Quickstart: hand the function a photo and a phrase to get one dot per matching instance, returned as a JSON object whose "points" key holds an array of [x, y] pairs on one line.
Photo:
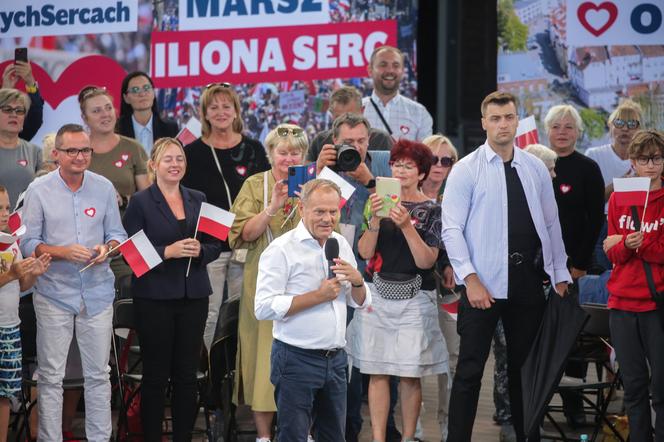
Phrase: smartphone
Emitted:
{"points": [[389, 190], [298, 175], [21, 54]]}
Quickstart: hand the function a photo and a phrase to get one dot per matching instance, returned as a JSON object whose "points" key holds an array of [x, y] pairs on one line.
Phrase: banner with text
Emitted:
{"points": [[313, 52], [624, 22], [67, 17]]}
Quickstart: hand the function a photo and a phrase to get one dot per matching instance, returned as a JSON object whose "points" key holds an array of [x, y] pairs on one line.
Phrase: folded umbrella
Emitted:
{"points": [[541, 372]]}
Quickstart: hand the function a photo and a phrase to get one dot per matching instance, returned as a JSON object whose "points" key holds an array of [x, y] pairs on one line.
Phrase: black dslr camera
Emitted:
{"points": [[348, 159]]}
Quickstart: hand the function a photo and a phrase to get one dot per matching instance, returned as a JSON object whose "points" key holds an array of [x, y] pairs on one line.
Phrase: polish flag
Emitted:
{"points": [[347, 189], [631, 191], [190, 132], [452, 308], [526, 132], [14, 224], [215, 221], [140, 254]]}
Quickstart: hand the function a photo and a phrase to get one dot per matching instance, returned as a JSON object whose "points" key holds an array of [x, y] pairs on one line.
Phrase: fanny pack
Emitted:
{"points": [[397, 286]]}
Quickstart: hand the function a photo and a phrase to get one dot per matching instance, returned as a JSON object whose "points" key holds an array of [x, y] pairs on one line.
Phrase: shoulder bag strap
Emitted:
{"points": [[382, 118], [223, 180], [656, 296]]}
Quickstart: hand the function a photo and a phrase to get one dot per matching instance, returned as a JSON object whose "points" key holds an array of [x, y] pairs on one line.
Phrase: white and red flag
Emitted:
{"points": [[526, 132], [215, 221], [139, 253], [631, 191], [347, 188], [190, 132], [17, 229]]}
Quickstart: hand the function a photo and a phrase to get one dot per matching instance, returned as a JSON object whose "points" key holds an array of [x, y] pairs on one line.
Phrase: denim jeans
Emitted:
{"points": [[310, 392]]}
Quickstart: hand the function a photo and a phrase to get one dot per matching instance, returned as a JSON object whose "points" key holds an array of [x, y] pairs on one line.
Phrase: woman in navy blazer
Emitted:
{"points": [[170, 307]]}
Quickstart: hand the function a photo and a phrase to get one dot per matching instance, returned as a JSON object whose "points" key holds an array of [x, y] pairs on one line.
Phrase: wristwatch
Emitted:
{"points": [[370, 184]]}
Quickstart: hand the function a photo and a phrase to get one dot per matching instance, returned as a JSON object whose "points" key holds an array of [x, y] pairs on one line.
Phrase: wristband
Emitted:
{"points": [[357, 286], [267, 212], [31, 89]]}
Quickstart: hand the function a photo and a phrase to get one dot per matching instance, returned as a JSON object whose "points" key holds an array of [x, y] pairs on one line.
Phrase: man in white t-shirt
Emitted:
{"points": [[386, 109], [613, 159]]}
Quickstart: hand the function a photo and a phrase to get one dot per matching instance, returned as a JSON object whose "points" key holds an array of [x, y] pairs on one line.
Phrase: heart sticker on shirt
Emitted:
{"points": [[22, 163], [125, 156], [564, 188], [404, 129], [90, 212], [242, 170], [119, 164]]}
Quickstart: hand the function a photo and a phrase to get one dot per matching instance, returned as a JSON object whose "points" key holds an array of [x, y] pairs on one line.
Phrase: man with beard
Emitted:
{"points": [[386, 109], [613, 160]]}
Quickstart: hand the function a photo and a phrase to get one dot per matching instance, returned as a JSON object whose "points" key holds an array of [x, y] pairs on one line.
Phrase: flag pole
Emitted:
{"points": [[111, 250], [195, 233], [643, 217]]}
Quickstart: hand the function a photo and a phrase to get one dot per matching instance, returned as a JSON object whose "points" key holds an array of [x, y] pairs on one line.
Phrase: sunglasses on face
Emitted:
{"points": [[18, 110], [224, 85], [657, 160], [444, 161], [284, 131], [72, 152], [631, 124], [137, 90]]}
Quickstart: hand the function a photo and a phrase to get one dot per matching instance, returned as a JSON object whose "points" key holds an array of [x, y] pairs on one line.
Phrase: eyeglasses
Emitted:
{"points": [[444, 161], [92, 91], [73, 152], [631, 124], [404, 166], [224, 85], [284, 131], [137, 90], [18, 110], [657, 160]]}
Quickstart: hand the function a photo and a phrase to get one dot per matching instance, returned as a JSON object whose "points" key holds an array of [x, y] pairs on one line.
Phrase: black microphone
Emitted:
{"points": [[331, 253]]}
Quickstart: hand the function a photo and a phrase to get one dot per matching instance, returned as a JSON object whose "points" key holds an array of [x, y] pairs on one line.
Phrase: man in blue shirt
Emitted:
{"points": [[501, 232], [73, 215]]}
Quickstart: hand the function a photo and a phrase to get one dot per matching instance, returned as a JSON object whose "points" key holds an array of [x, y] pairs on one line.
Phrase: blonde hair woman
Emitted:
{"points": [[263, 211], [445, 155]]}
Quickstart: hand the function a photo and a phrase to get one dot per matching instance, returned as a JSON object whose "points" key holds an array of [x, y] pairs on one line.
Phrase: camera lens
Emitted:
{"points": [[348, 159]]}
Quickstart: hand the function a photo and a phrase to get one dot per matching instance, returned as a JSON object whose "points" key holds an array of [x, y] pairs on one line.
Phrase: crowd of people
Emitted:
{"points": [[339, 296]]}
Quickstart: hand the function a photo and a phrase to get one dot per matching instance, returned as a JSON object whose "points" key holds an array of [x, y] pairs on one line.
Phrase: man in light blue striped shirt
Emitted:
{"points": [[73, 215], [503, 237]]}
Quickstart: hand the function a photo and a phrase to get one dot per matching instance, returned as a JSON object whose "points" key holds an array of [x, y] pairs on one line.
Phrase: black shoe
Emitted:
{"points": [[392, 435]]}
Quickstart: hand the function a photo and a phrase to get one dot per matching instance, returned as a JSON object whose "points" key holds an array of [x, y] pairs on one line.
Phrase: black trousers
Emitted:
{"points": [[170, 334], [476, 328]]}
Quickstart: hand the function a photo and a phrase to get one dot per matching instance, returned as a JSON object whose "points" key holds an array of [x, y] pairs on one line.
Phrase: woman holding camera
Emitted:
{"points": [[263, 211], [400, 335]]}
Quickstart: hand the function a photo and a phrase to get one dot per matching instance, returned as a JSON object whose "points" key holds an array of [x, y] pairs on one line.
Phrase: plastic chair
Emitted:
{"points": [[591, 349]]}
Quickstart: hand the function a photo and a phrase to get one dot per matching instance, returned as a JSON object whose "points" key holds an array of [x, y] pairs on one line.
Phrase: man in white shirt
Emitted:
{"points": [[308, 362], [386, 109], [501, 230]]}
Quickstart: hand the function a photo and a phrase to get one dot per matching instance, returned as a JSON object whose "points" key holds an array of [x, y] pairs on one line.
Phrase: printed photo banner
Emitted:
{"points": [[289, 53], [617, 22]]}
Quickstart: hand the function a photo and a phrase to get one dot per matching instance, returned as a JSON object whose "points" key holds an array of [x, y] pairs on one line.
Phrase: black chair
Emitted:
{"points": [[591, 349], [28, 327], [222, 361], [130, 377]]}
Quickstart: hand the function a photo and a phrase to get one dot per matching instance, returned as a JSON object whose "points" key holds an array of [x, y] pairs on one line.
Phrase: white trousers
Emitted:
{"points": [[55, 328], [219, 271]]}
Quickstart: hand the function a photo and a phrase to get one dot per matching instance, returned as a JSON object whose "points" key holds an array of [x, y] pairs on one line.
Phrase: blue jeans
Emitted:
{"points": [[310, 392]]}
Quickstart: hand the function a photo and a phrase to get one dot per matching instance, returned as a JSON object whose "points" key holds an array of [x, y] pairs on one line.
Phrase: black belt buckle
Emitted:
{"points": [[516, 258]]}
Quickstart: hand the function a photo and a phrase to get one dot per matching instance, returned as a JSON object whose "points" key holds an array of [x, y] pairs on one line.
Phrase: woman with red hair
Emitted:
{"points": [[399, 336]]}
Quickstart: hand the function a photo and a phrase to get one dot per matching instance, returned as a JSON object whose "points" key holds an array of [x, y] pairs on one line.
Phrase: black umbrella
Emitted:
{"points": [[541, 372]]}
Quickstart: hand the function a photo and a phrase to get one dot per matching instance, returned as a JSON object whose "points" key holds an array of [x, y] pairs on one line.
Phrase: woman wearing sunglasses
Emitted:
{"points": [[263, 211], [444, 157], [219, 163], [19, 159], [139, 115]]}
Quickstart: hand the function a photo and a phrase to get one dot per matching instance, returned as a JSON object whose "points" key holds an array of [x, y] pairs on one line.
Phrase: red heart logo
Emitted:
{"points": [[564, 188], [242, 170], [22, 163], [90, 212], [118, 164], [582, 14], [125, 156], [405, 129]]}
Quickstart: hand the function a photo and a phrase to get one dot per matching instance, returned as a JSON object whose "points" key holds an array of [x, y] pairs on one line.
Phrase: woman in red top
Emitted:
{"points": [[637, 329]]}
